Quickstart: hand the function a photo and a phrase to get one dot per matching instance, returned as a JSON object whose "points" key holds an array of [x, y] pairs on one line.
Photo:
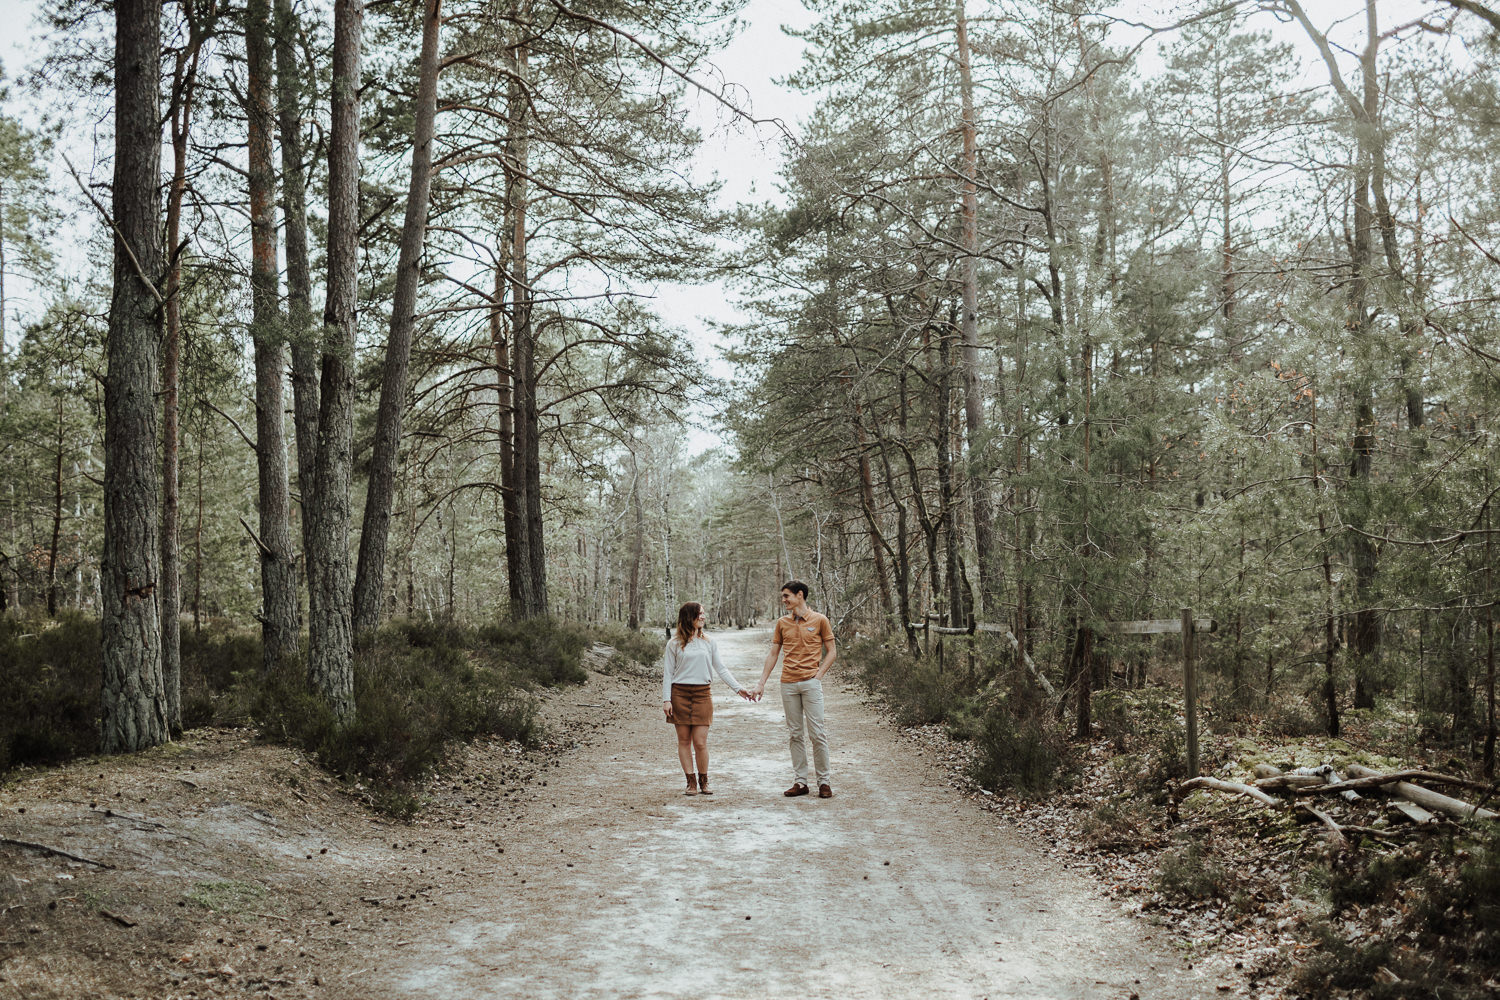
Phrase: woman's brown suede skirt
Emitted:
{"points": [[692, 705]]}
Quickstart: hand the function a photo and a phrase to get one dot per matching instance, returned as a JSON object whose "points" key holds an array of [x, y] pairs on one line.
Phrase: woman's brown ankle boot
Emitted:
{"points": [[703, 784], [692, 785]]}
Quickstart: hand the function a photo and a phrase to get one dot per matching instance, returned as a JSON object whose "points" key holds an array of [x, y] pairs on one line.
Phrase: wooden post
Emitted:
{"points": [[1190, 691]]}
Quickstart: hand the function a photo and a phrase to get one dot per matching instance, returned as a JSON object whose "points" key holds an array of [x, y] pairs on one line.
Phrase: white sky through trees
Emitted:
{"points": [[745, 159]]}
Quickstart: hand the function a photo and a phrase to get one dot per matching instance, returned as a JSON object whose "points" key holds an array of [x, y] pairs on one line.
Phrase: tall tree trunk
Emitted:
{"points": [[369, 580], [957, 614], [1489, 651], [878, 544], [524, 338], [525, 549], [1330, 638], [198, 540], [278, 576], [637, 547], [57, 509], [1365, 640], [1085, 647], [668, 591], [301, 332], [977, 468], [518, 580], [180, 115], [133, 709], [1369, 155], [330, 663]]}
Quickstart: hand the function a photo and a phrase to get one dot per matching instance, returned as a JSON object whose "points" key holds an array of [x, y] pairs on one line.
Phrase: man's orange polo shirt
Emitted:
{"points": [[801, 642]]}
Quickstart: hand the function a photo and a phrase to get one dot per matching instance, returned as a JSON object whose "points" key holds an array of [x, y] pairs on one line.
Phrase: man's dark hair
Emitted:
{"points": [[796, 587]]}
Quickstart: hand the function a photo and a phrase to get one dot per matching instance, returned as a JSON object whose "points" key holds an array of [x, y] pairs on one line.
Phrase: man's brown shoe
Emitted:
{"points": [[798, 789], [825, 792]]}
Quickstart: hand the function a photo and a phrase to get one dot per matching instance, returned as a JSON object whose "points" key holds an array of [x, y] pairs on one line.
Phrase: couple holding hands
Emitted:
{"points": [[691, 658]]}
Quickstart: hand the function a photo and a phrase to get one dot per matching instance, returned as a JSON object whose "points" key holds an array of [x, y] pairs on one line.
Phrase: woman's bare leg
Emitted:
{"points": [[685, 747], [700, 750]]}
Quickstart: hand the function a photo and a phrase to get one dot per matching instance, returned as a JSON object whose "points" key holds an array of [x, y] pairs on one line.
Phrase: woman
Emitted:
{"points": [[685, 696]]}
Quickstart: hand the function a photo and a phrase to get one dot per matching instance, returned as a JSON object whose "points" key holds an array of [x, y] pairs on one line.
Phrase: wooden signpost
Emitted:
{"points": [[1189, 626]]}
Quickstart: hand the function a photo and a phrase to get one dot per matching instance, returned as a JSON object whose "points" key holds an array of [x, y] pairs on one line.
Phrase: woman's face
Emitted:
{"points": [[701, 620]]}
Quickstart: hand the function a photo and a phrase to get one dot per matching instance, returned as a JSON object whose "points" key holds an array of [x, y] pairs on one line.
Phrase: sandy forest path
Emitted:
{"points": [[221, 866], [896, 887]]}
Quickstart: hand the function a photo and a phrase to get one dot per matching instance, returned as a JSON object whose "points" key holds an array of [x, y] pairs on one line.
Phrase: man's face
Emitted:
{"points": [[790, 599]]}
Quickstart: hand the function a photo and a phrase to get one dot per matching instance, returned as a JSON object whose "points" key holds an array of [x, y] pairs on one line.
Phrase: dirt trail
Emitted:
{"points": [[895, 887], [575, 871]]}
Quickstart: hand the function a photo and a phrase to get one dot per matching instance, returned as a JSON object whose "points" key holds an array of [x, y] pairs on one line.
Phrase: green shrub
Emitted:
{"points": [[1189, 873], [1027, 754], [543, 650], [418, 689], [644, 648], [49, 688], [916, 690], [1339, 964], [1447, 922], [1382, 878], [1115, 824], [1465, 912], [212, 662]]}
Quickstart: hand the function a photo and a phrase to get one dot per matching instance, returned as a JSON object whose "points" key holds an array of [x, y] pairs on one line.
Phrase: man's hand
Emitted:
{"points": [[666, 708]]}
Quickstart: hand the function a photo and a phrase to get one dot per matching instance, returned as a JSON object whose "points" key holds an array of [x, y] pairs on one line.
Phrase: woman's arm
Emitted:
{"points": [[668, 671]]}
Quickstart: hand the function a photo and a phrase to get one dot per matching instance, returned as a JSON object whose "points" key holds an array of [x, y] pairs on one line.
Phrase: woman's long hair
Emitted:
{"points": [[687, 623]]}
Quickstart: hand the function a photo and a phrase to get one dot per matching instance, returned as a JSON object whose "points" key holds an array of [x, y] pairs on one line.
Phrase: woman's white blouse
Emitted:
{"points": [[692, 666]]}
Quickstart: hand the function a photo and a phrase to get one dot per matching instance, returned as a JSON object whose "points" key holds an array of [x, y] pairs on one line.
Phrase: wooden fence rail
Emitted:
{"points": [[1188, 626]]}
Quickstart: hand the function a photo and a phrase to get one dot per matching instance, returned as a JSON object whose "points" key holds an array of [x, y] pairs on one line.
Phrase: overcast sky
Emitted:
{"points": [[747, 159]]}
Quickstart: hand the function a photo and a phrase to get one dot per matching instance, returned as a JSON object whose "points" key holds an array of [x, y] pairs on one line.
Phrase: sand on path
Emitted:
{"points": [[896, 887]]}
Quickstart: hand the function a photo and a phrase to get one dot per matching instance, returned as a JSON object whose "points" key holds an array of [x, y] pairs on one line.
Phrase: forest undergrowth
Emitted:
{"points": [[422, 689], [1398, 910]]}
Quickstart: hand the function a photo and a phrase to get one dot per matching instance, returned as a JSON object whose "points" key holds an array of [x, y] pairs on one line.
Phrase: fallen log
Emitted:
{"points": [[1272, 777], [1249, 791], [1397, 783], [1412, 811], [1335, 833], [1281, 781]]}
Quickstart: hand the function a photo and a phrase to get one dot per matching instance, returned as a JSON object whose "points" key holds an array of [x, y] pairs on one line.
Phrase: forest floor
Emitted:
{"points": [[219, 866]]}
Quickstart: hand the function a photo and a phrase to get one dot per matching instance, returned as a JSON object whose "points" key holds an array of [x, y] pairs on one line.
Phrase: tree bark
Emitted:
{"points": [[180, 115], [957, 612], [57, 509], [637, 546], [330, 662], [300, 330], [1330, 640], [517, 579], [133, 710], [278, 576], [529, 570], [1369, 154], [369, 579], [976, 470]]}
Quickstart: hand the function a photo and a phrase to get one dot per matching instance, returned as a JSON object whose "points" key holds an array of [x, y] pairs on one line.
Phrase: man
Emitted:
{"points": [[805, 637]]}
